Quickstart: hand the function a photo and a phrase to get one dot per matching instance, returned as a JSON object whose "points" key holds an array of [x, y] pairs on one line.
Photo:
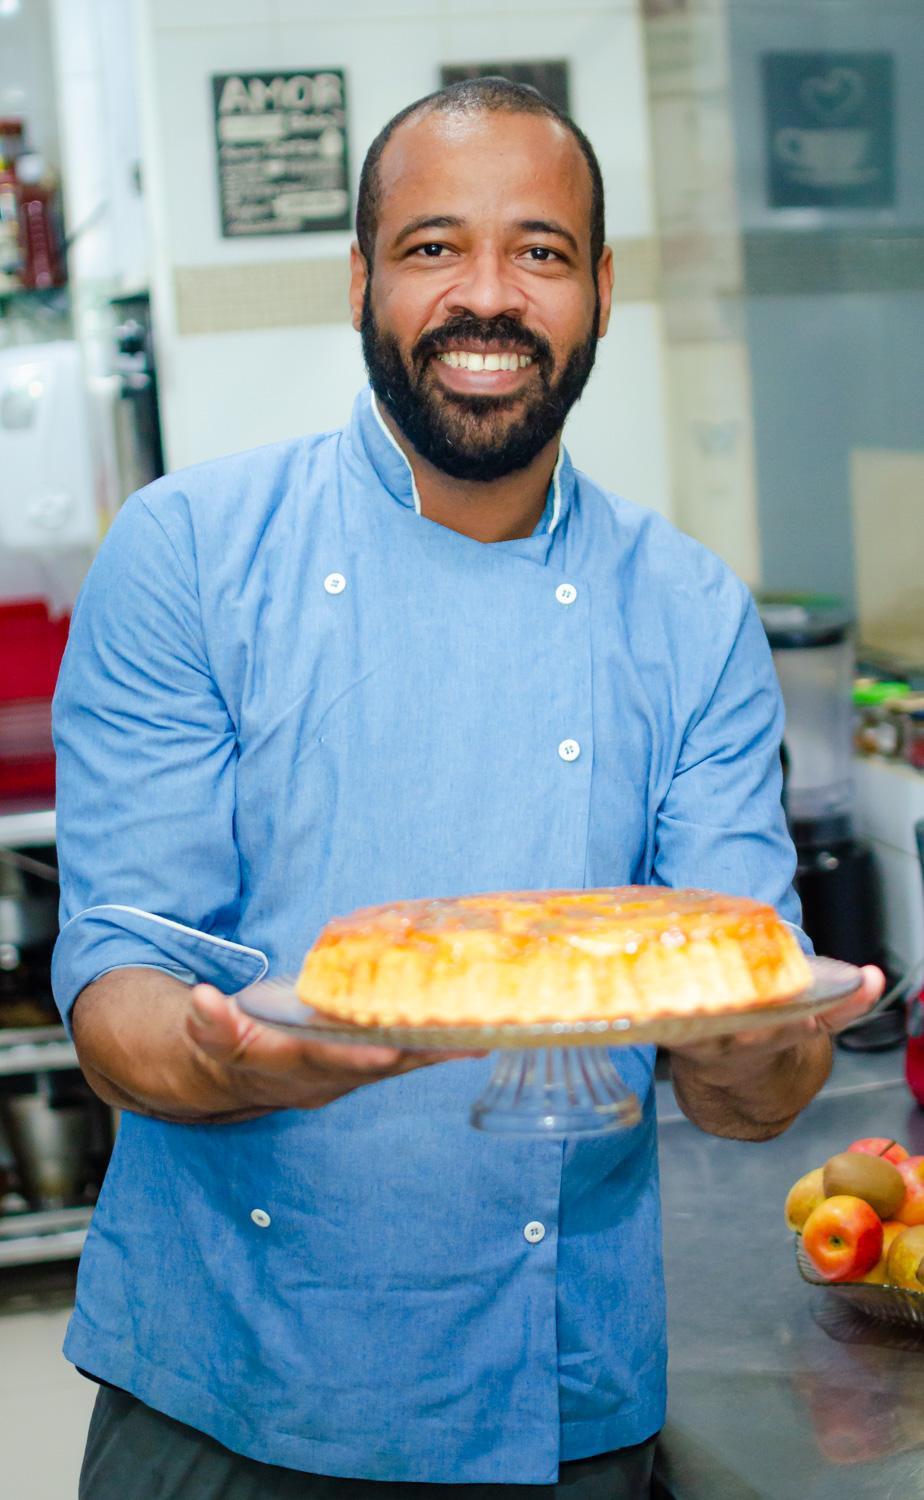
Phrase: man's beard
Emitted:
{"points": [[473, 437]]}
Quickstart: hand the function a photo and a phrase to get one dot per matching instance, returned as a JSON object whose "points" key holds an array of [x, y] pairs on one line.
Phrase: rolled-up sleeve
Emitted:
{"points": [[146, 755], [721, 825]]}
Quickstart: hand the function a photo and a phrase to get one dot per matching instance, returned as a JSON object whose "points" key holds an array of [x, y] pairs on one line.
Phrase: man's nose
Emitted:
{"points": [[487, 288]]}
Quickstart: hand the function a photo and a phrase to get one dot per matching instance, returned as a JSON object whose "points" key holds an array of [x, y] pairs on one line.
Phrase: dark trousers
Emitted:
{"points": [[134, 1453]]}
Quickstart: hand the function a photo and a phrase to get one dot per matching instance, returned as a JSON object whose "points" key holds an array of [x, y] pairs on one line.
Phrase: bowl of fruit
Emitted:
{"points": [[859, 1226]]}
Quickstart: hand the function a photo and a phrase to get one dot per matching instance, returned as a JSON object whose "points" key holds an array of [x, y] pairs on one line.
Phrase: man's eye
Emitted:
{"points": [[432, 252], [541, 253]]}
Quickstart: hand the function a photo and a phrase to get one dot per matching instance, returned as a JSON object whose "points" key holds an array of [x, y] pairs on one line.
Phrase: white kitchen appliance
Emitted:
{"points": [[47, 490]]}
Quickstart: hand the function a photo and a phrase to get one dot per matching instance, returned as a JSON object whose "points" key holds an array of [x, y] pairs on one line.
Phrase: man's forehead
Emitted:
{"points": [[451, 150]]}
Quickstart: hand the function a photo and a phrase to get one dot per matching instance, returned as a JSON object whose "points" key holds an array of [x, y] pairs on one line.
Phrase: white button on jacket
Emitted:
{"points": [[534, 1232], [569, 749], [566, 593], [335, 583]]}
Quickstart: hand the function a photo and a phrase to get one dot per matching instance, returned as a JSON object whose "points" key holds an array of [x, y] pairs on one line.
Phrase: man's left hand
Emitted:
{"points": [[752, 1084]]}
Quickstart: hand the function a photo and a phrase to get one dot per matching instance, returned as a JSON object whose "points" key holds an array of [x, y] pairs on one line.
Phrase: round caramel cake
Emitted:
{"points": [[637, 952]]}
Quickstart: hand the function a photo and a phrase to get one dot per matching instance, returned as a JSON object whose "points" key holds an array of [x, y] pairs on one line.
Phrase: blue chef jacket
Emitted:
{"points": [[288, 694]]}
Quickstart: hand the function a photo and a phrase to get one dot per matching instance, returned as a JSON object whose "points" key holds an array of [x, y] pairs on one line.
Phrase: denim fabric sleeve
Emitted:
{"points": [[721, 825], [146, 755]]}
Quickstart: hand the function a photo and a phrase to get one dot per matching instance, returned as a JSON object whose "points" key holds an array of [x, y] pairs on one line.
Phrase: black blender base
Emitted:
{"points": [[880, 1033]]}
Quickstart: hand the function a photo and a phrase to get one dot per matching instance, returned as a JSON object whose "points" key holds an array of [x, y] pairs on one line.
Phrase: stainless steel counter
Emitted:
{"points": [[776, 1389]]}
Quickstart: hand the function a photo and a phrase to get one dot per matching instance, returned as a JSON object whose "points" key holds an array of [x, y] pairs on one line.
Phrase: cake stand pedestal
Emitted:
{"points": [[555, 1092]]}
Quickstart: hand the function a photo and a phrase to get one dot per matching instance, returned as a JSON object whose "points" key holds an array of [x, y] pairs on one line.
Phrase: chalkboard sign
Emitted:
{"points": [[830, 129], [281, 141]]}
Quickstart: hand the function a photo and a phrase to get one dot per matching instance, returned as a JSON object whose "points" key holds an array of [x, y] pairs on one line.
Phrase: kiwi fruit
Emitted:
{"points": [[871, 1178]]}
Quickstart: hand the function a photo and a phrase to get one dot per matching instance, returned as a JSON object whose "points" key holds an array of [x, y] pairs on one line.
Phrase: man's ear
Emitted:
{"points": [[359, 276], [605, 289]]}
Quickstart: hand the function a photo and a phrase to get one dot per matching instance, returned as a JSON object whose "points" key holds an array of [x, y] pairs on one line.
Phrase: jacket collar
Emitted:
{"points": [[371, 439]]}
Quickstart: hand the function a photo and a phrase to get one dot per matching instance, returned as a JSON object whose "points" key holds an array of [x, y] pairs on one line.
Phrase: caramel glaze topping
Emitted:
{"points": [[627, 912], [601, 922]]}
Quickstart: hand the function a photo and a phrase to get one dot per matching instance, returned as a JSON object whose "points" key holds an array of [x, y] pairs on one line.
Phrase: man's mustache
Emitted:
{"points": [[500, 330]]}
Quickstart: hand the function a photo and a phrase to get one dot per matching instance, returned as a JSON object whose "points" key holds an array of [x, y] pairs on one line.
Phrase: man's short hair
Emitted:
{"points": [[473, 96]]}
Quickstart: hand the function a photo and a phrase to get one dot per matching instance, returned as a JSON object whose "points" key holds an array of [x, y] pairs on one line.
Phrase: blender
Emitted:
{"points": [[811, 640]]}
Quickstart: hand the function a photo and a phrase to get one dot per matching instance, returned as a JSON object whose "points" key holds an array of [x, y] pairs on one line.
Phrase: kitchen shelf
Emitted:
{"points": [[23, 828], [51, 1234], [43, 295], [35, 1049]]}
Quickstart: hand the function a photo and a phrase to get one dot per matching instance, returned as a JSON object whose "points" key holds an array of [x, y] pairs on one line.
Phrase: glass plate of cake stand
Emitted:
{"points": [[558, 1078]]}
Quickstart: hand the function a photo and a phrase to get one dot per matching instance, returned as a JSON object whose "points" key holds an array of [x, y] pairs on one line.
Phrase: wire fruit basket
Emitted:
{"points": [[890, 1304]]}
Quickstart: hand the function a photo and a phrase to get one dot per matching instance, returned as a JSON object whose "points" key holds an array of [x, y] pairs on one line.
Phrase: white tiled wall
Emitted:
{"points": [[606, 83], [94, 81], [235, 391], [26, 85], [226, 391]]}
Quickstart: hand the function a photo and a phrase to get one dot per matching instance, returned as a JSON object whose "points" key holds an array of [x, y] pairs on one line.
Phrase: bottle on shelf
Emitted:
{"points": [[876, 723], [10, 253], [11, 143], [12, 130], [39, 240]]}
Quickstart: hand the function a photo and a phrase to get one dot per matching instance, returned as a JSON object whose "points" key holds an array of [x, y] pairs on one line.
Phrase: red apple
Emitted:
{"points": [[880, 1145], [843, 1238], [912, 1210]]}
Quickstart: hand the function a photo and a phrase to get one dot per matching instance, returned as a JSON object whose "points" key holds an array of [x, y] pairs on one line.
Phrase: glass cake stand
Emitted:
{"points": [[555, 1079]]}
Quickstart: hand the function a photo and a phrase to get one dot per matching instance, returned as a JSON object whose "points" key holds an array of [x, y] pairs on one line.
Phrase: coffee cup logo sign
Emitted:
{"points": [[829, 129], [281, 143]]}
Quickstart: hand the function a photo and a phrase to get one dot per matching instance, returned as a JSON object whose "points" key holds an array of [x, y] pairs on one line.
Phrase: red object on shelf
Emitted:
{"points": [[43, 265], [39, 240], [31, 647], [914, 1053]]}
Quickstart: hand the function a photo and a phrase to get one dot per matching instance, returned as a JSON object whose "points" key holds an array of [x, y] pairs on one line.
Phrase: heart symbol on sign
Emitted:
{"points": [[834, 95]]}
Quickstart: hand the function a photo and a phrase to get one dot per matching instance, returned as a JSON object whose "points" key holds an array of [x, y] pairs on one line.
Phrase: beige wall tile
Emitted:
{"points": [[887, 498]]}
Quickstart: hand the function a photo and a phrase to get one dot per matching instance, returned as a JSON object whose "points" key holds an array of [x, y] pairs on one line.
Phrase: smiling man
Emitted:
{"points": [[422, 656], [480, 327]]}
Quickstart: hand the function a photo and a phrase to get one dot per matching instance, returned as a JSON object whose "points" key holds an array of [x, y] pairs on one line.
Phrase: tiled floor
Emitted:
{"points": [[44, 1404]]}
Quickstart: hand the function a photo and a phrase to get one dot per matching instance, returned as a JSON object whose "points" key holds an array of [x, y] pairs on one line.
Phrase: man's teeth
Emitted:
{"points": [[461, 359]]}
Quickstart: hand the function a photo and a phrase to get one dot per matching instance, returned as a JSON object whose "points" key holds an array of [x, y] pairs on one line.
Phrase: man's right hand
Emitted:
{"points": [[149, 1043], [280, 1070]]}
